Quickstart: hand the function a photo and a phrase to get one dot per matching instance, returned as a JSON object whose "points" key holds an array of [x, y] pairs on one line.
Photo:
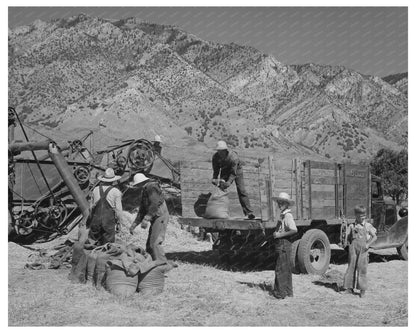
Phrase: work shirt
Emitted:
{"points": [[152, 199], [356, 227], [286, 222], [228, 166], [113, 197]]}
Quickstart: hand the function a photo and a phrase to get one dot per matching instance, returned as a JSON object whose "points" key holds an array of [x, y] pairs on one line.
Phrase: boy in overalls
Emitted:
{"points": [[285, 228], [360, 235]]}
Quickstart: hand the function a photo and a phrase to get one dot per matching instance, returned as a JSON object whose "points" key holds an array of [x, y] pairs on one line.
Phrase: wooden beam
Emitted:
{"points": [[222, 224]]}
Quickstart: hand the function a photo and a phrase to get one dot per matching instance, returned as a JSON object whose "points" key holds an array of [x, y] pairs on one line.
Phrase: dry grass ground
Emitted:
{"points": [[198, 293]]}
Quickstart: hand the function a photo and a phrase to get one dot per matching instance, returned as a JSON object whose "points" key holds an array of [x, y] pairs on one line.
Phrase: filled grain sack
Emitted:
{"points": [[217, 205]]}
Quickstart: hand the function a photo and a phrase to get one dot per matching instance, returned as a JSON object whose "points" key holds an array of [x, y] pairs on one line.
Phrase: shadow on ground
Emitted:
{"points": [[193, 257], [263, 286], [210, 258], [340, 257], [331, 285], [246, 264]]}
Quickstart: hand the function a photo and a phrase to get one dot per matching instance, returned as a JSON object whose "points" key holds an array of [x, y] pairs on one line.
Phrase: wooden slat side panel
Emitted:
{"points": [[322, 165], [282, 164], [323, 213], [327, 195], [320, 202], [323, 180], [323, 188]]}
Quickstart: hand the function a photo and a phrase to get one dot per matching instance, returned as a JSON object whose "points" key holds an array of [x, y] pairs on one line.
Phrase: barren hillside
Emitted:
{"points": [[131, 79]]}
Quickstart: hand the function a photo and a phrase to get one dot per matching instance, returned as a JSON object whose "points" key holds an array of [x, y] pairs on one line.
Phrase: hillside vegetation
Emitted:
{"points": [[131, 79]]}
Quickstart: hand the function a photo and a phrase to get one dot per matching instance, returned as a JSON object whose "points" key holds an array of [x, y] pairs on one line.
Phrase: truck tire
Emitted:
{"points": [[314, 252], [402, 251], [293, 257]]}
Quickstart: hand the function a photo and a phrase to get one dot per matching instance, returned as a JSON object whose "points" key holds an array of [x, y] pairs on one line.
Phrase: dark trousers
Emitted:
{"points": [[283, 272], [242, 193], [106, 231], [157, 233], [356, 274]]}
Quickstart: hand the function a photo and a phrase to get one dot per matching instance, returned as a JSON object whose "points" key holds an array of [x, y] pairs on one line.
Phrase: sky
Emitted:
{"points": [[370, 40]]}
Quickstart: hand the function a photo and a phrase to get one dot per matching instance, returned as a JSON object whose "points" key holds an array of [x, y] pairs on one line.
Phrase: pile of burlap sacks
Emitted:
{"points": [[121, 269]]}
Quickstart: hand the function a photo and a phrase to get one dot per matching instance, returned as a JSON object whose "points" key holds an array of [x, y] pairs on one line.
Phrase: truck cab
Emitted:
{"points": [[383, 211], [391, 232]]}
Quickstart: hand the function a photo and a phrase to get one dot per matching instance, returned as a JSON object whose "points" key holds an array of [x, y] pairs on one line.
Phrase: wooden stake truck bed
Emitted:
{"points": [[323, 191]]}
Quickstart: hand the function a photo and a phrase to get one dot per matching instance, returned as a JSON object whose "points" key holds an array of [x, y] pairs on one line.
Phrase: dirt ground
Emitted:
{"points": [[198, 293]]}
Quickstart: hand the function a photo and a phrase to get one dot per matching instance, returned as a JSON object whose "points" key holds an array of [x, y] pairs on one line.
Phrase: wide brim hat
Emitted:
{"points": [[138, 178], [108, 176], [284, 197], [221, 145]]}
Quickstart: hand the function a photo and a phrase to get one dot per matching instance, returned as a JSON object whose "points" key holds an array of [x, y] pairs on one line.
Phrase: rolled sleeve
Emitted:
{"points": [[215, 167]]}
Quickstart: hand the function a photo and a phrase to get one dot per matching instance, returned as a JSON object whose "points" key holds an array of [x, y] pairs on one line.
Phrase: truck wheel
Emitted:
{"points": [[314, 252], [293, 257], [402, 251]]}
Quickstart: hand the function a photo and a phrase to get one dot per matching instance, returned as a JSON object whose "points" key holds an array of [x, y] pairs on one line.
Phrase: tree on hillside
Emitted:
{"points": [[391, 167]]}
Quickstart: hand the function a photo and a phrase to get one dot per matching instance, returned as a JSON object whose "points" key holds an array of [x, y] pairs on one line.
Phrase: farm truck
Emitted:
{"points": [[325, 194]]}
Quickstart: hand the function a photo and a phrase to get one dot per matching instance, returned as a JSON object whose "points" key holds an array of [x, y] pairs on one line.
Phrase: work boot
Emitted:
{"points": [[251, 216], [348, 291], [172, 263]]}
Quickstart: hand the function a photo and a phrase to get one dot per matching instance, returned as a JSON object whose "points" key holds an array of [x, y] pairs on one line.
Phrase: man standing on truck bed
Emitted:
{"points": [[227, 165], [285, 228]]}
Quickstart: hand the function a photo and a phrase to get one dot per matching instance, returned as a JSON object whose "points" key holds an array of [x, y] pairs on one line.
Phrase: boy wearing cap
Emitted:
{"points": [[360, 235], [285, 228], [229, 165], [153, 211], [106, 209]]}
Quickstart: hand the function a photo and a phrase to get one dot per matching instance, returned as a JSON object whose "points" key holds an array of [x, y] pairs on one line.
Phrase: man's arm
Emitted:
{"points": [[373, 237], [152, 198], [215, 167], [234, 161], [114, 199], [155, 198]]}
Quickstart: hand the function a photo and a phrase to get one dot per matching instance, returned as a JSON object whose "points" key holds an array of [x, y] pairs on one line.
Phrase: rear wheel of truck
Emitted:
{"points": [[402, 251], [293, 257], [314, 252]]}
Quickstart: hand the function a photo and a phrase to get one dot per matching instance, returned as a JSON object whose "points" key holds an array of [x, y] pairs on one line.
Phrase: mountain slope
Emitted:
{"points": [[400, 81], [130, 79]]}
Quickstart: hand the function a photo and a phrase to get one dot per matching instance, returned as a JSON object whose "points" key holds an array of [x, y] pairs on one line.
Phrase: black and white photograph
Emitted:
{"points": [[207, 165]]}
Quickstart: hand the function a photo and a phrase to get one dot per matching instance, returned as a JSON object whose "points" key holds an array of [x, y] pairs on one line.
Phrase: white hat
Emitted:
{"points": [[109, 176], [284, 197], [221, 145], [138, 178], [157, 138]]}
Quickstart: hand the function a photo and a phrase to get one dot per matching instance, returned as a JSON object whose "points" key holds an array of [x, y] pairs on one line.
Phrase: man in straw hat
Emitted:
{"points": [[157, 144], [106, 208], [154, 212], [285, 228], [227, 165]]}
